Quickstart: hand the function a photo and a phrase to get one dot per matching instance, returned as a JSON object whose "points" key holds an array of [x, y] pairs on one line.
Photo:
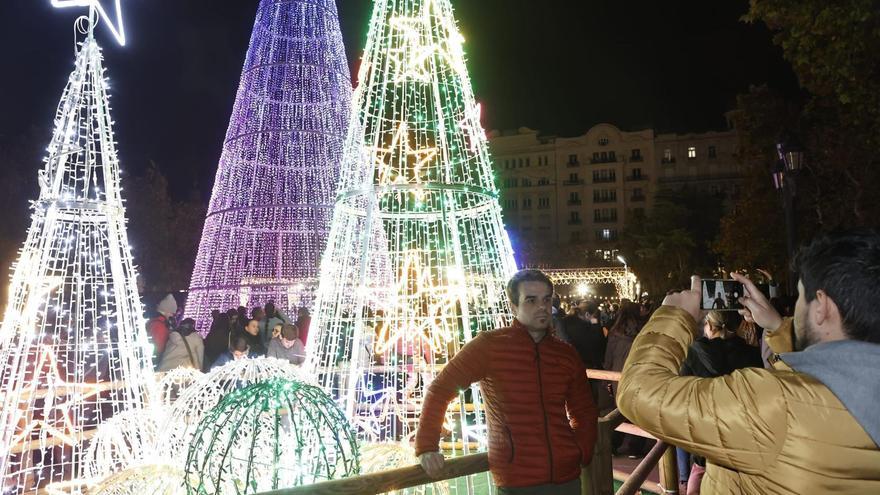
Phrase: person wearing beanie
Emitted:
{"points": [[160, 325]]}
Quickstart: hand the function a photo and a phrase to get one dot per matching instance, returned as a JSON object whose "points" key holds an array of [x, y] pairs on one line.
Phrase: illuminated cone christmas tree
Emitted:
{"points": [[418, 257], [269, 215], [73, 351]]}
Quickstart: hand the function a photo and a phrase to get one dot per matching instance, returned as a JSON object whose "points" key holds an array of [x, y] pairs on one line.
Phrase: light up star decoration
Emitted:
{"points": [[400, 162], [60, 398], [114, 23]]}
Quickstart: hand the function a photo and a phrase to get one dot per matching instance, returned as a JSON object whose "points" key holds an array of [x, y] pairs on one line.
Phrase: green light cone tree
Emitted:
{"points": [[418, 257]]}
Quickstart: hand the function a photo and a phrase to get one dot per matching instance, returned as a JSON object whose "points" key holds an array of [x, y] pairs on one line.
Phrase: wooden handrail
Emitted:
{"points": [[395, 479], [641, 472], [611, 376]]}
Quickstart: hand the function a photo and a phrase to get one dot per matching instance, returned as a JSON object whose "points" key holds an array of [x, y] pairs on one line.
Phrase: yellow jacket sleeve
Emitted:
{"points": [[737, 421]]}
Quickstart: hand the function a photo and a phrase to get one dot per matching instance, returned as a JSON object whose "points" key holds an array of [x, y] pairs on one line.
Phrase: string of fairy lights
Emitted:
{"points": [[417, 256], [269, 214], [72, 346]]}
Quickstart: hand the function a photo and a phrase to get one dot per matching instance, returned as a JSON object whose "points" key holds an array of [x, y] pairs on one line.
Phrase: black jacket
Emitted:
{"points": [[588, 340]]}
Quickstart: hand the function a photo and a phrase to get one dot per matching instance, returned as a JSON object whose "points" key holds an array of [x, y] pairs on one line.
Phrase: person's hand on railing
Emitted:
{"points": [[432, 463], [758, 308]]}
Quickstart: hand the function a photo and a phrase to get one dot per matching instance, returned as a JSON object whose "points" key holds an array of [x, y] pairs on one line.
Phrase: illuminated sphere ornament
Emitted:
{"points": [[73, 350], [270, 435], [127, 439], [269, 214], [173, 383], [418, 258], [199, 398]]}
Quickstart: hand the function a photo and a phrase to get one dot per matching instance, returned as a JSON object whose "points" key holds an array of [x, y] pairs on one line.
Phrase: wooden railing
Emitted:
{"points": [[596, 479]]}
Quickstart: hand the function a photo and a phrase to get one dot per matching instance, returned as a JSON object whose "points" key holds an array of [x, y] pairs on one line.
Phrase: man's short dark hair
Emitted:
{"points": [[239, 343], [846, 266], [592, 308], [525, 276], [289, 331]]}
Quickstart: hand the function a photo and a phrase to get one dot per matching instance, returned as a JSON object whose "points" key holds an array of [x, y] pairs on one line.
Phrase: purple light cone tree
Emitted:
{"points": [[269, 216]]}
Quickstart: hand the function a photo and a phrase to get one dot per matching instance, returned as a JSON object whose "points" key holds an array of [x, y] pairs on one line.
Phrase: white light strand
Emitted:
{"points": [[72, 343]]}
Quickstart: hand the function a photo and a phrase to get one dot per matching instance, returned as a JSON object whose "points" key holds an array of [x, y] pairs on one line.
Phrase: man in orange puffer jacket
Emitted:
{"points": [[529, 379]]}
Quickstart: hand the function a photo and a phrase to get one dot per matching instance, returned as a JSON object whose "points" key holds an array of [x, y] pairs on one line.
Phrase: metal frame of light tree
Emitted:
{"points": [[73, 351], [418, 257], [270, 210]]}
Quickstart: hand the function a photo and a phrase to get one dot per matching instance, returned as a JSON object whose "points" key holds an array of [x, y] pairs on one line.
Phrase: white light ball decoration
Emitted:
{"points": [[173, 383], [383, 456], [127, 439], [143, 480], [274, 434], [190, 407]]}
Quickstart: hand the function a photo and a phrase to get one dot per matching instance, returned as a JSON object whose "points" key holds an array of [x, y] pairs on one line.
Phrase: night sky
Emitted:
{"points": [[560, 66]]}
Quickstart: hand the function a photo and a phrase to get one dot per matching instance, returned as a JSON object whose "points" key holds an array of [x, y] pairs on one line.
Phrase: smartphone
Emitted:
{"points": [[721, 295]]}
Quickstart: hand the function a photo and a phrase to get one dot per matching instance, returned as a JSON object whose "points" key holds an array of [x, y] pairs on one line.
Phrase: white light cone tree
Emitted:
{"points": [[417, 258], [73, 351]]}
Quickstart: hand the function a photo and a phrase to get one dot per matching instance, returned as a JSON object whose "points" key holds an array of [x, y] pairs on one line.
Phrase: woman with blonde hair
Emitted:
{"points": [[718, 352]]}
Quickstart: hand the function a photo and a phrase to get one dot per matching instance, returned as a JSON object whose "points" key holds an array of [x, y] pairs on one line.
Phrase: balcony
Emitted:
{"points": [[604, 180], [574, 221], [604, 219], [596, 161], [667, 160], [634, 178], [574, 202], [573, 164], [604, 200], [637, 197], [636, 158], [578, 182]]}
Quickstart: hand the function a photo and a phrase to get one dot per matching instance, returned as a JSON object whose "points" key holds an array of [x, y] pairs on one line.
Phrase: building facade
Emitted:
{"points": [[581, 190]]}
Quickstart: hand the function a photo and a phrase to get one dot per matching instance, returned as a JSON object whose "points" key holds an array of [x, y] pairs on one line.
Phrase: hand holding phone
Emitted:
{"points": [[764, 314], [721, 295]]}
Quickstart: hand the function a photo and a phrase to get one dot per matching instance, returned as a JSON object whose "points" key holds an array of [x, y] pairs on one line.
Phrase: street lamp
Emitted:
{"points": [[784, 173], [620, 259]]}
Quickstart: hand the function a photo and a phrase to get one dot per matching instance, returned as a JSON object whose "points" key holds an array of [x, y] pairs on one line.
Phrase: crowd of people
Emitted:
{"points": [[233, 335]]}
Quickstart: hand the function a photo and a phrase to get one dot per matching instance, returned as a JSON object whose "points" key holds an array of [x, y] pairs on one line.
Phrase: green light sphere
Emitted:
{"points": [[273, 434]]}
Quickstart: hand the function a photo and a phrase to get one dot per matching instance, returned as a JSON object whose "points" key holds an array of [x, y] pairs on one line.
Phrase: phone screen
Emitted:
{"points": [[721, 295]]}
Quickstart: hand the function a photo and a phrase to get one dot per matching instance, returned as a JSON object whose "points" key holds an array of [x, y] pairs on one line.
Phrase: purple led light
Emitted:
{"points": [[270, 211]]}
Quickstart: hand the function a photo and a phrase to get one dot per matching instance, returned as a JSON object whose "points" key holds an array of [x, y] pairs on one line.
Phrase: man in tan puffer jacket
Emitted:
{"points": [[812, 424]]}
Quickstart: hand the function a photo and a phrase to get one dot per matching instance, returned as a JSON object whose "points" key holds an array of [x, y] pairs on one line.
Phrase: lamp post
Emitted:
{"points": [[784, 174]]}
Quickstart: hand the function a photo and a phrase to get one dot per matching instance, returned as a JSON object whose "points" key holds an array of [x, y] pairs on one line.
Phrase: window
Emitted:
{"points": [[601, 215], [526, 182], [543, 181], [604, 196], [636, 155], [510, 204], [595, 157], [636, 173], [712, 152], [520, 163], [606, 235], [638, 194], [603, 141], [527, 204], [667, 156], [572, 159], [543, 202], [573, 178], [692, 152], [528, 162], [574, 216], [604, 175], [574, 196], [612, 156]]}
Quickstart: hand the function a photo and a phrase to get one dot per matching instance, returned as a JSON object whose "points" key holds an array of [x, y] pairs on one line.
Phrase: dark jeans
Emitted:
{"points": [[573, 487], [684, 464]]}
